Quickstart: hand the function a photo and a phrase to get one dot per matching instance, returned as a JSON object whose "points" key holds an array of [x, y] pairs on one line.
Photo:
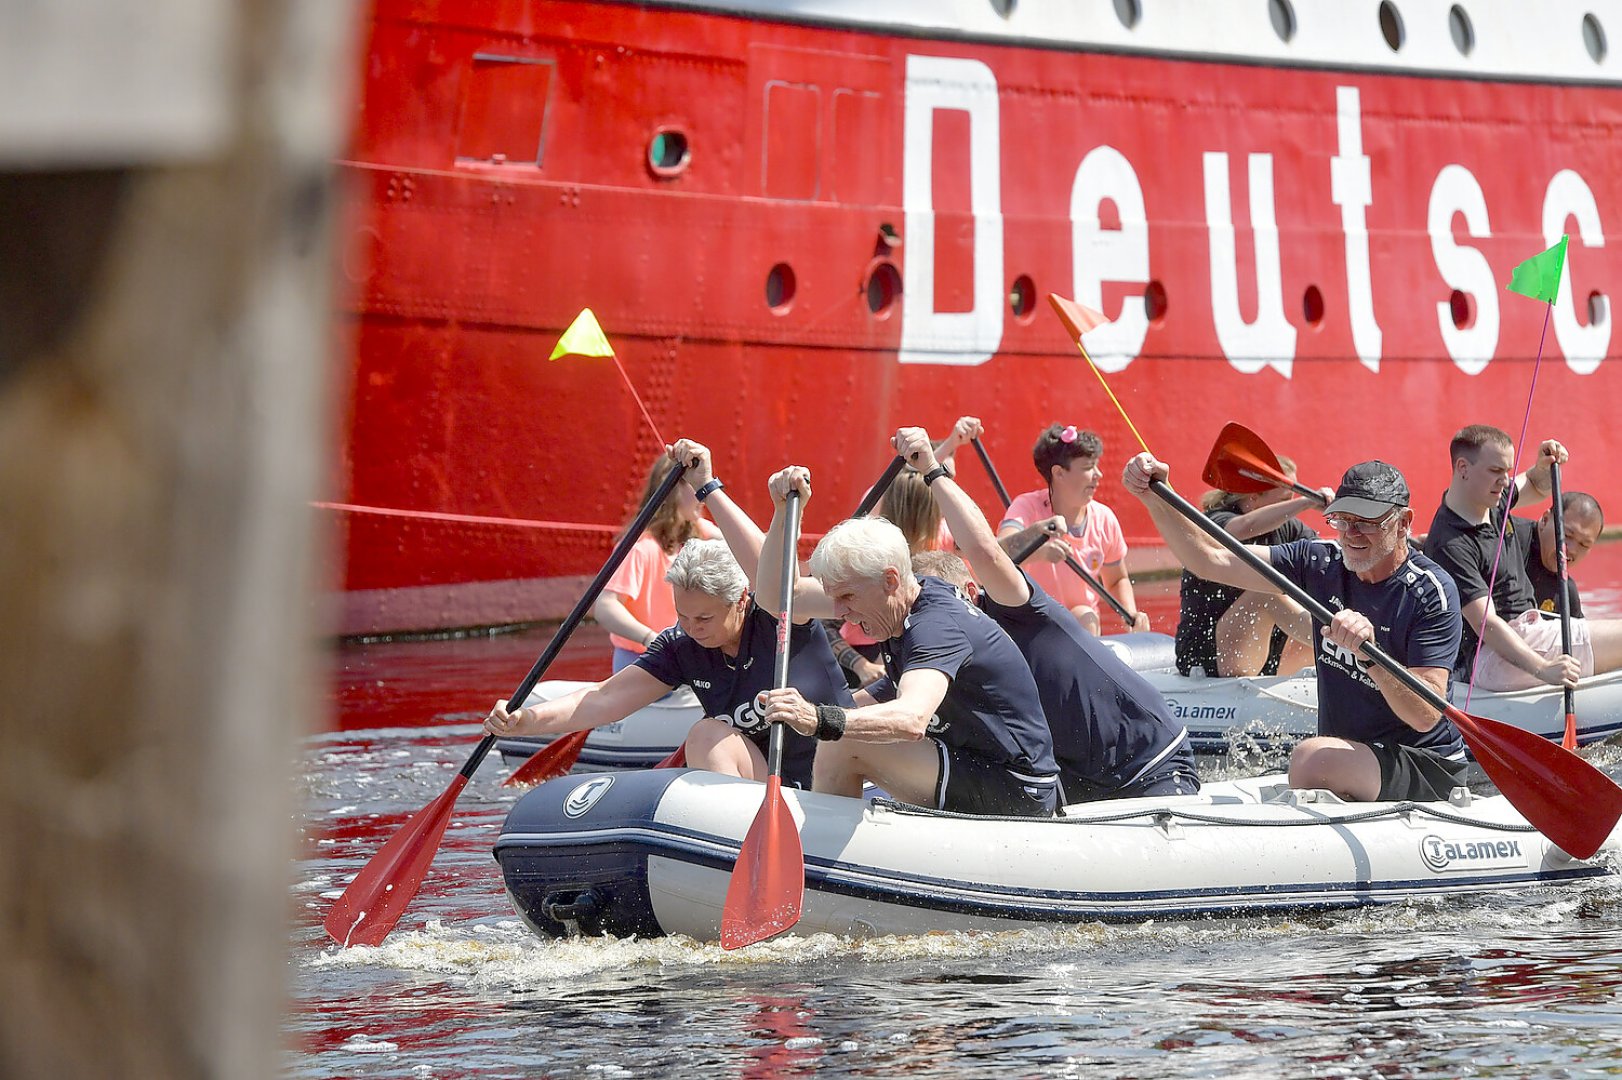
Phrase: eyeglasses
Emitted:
{"points": [[1363, 526]]}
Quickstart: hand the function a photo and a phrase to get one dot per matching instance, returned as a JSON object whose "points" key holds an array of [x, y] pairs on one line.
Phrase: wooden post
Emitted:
{"points": [[166, 349]]}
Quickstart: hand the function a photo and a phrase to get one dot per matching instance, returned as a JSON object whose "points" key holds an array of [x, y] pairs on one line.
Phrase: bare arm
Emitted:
{"points": [[1535, 483], [810, 602], [1264, 519], [1015, 539], [617, 697], [739, 530], [1114, 577], [905, 719], [1202, 556], [1500, 637], [992, 566], [1350, 630], [612, 615]]}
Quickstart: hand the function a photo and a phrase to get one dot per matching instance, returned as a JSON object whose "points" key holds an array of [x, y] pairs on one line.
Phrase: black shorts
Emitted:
{"points": [[1411, 774], [971, 784]]}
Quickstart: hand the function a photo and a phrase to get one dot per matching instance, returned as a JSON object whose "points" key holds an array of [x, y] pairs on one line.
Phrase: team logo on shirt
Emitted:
{"points": [[937, 725], [1344, 659], [746, 718]]}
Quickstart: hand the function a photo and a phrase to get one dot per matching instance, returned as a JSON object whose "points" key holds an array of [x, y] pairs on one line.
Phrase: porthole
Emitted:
{"points": [[1154, 302], [1312, 306], [1463, 309], [1594, 38], [883, 288], [1129, 12], [1004, 8], [780, 289], [1599, 309], [1391, 25], [1282, 14], [668, 152], [1464, 34], [1022, 298]]}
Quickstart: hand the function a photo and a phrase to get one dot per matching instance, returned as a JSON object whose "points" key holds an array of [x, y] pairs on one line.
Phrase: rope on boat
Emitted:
{"points": [[1166, 813]]}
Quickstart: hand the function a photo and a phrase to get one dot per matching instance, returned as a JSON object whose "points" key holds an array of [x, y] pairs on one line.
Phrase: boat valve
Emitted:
{"points": [[570, 908]]}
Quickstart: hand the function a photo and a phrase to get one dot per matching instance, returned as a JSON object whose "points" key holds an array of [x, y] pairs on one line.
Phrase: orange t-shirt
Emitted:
{"points": [[640, 583]]}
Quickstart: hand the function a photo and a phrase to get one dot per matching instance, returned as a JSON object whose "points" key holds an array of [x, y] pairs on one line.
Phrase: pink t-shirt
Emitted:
{"points": [[1100, 544], [640, 582]]}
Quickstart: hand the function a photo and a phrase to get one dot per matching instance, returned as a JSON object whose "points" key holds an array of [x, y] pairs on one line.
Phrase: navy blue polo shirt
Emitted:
{"points": [[726, 686], [1109, 725], [1416, 620], [991, 707]]}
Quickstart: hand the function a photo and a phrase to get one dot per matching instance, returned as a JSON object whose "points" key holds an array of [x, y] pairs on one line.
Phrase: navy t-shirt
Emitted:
{"points": [[1466, 552], [1546, 582], [727, 686], [1109, 725], [1416, 620], [991, 707]]}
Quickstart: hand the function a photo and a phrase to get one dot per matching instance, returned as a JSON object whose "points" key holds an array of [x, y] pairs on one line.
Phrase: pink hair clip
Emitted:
{"points": [[1068, 435]]}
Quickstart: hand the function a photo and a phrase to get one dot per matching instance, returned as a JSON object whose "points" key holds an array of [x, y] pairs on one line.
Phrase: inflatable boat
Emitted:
{"points": [[651, 852]]}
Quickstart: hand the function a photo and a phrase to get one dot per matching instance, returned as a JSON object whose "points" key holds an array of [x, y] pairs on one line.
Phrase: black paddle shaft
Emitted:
{"points": [[1294, 591], [1562, 602], [1069, 560], [785, 621], [874, 494], [633, 533]]}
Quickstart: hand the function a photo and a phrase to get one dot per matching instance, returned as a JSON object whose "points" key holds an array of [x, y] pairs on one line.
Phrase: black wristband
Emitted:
{"points": [[935, 474], [708, 488], [830, 723]]}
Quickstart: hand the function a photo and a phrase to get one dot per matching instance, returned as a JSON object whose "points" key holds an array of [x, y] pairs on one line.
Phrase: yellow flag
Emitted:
{"points": [[583, 338]]}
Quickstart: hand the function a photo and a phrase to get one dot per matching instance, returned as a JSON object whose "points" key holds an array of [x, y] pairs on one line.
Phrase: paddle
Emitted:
{"points": [[767, 889], [1241, 463], [1569, 740], [1069, 559], [1564, 797], [560, 755], [376, 898]]}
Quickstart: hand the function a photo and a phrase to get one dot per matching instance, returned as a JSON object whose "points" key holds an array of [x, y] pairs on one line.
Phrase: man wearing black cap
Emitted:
{"points": [[1376, 739]]}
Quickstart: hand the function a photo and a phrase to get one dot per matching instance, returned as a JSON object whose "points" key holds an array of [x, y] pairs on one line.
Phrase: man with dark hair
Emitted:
{"points": [[1583, 521], [1376, 738], [1508, 644], [1067, 458], [1113, 736]]}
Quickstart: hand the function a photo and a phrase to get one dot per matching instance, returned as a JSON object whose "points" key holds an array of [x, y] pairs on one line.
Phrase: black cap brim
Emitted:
{"points": [[1358, 506]]}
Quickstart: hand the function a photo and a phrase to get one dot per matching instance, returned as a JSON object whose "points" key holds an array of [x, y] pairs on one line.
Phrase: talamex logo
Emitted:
{"points": [[1439, 854], [584, 797], [1205, 712]]}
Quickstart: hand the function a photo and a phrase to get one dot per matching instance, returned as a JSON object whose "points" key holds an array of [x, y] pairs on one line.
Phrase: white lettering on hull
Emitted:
{"points": [[951, 337], [1352, 189], [1569, 196], [1270, 340], [1463, 268], [1099, 254]]}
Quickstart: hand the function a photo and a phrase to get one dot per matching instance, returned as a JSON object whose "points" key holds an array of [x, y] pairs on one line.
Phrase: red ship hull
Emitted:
{"points": [[1317, 252]]}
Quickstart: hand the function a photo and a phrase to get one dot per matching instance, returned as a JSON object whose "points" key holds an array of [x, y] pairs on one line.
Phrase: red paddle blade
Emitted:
{"points": [[374, 901], [1563, 796], [554, 759], [1240, 462], [676, 760], [767, 889], [1569, 740]]}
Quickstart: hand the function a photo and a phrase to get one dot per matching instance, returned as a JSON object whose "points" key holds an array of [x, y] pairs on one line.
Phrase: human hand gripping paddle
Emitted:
{"points": [[1070, 560], [1564, 797], [1241, 463], [767, 890], [560, 755], [379, 894], [1563, 603]]}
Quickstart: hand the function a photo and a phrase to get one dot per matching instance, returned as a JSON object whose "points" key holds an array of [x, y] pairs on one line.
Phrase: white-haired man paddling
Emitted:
{"points": [[956, 723]]}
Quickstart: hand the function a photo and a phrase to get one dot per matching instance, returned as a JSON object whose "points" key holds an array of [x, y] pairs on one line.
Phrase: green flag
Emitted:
{"points": [[1539, 276], [583, 338]]}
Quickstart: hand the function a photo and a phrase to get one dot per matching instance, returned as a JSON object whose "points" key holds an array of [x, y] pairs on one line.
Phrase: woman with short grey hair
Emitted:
{"points": [[722, 647]]}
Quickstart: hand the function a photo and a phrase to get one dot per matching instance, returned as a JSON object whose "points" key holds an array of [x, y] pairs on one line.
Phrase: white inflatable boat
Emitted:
{"points": [[651, 852]]}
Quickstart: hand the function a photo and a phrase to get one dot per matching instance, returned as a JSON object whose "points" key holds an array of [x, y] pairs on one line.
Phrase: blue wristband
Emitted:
{"points": [[708, 488]]}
